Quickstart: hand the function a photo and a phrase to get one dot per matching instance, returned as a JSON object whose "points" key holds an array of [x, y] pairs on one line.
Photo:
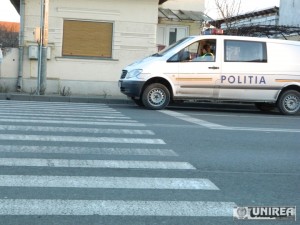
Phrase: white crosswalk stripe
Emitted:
{"points": [[64, 136], [73, 122], [73, 139], [74, 130], [87, 150], [63, 115], [73, 163], [107, 182], [63, 105], [114, 208], [68, 119]]}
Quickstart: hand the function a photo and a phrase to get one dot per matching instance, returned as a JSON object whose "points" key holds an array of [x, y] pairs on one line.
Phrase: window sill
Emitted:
{"points": [[84, 59]]}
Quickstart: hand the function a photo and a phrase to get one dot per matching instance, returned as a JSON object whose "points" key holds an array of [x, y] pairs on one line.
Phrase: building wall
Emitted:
{"points": [[9, 69], [134, 36], [289, 13]]}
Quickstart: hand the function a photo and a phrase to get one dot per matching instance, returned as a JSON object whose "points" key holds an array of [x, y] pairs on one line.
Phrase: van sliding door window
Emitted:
{"points": [[245, 51]]}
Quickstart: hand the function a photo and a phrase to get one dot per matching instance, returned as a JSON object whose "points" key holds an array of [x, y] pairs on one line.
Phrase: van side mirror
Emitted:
{"points": [[180, 57], [186, 56]]}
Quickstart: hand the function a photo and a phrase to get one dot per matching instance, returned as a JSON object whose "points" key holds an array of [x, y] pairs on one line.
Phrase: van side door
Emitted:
{"points": [[198, 70]]}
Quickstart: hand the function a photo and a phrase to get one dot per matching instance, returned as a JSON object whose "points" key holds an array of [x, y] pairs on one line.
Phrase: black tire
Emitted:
{"points": [[138, 102], [265, 107], [156, 96], [289, 102]]}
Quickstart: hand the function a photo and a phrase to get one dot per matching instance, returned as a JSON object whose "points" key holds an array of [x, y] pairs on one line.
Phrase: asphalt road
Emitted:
{"points": [[77, 163]]}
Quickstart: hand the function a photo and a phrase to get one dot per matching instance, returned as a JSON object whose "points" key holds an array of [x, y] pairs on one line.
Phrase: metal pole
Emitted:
{"points": [[38, 88], [43, 78], [21, 46], [1, 59]]}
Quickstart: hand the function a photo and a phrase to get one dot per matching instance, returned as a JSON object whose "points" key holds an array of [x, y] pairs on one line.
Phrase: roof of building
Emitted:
{"points": [[264, 31], [16, 4], [273, 10], [180, 15], [10, 26], [162, 1]]}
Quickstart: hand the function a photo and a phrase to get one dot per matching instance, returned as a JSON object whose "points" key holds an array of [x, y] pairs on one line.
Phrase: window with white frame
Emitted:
{"points": [[167, 35]]}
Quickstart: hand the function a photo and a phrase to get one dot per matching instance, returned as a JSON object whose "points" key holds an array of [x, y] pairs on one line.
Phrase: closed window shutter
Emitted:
{"points": [[90, 39]]}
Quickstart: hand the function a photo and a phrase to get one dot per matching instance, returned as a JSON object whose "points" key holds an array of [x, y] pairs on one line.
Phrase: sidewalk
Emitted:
{"points": [[58, 98]]}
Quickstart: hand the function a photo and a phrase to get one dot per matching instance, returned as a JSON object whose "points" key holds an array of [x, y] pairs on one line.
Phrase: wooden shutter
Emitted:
{"points": [[85, 38]]}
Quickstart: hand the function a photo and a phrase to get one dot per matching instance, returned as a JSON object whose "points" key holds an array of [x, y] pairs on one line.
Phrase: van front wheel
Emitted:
{"points": [[289, 102], [156, 96]]}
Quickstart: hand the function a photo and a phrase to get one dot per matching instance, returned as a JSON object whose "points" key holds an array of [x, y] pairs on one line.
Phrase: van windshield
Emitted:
{"points": [[171, 47]]}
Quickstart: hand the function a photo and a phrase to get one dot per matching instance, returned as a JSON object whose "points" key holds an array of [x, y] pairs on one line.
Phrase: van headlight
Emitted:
{"points": [[134, 73]]}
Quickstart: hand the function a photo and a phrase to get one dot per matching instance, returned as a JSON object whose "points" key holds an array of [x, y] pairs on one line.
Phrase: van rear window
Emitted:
{"points": [[245, 51]]}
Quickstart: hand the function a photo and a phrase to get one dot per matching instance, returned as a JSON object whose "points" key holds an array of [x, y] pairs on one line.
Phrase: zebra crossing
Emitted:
{"points": [[67, 136]]}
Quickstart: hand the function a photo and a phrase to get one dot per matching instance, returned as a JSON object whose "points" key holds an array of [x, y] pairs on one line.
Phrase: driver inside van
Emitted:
{"points": [[205, 54], [206, 51]]}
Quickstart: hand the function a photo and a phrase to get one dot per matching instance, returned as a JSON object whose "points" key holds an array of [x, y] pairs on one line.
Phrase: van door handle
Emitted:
{"points": [[213, 67]]}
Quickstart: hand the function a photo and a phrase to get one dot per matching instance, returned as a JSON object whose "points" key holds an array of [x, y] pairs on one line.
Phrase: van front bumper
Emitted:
{"points": [[131, 88]]}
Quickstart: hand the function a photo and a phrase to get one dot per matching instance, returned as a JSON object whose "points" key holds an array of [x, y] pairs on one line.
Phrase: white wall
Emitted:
{"points": [[289, 13], [9, 69]]}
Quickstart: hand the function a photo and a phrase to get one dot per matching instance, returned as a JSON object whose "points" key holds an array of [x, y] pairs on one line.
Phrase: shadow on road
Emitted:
{"points": [[222, 107]]}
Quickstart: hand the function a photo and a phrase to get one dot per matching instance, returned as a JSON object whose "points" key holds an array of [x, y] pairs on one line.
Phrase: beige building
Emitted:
{"points": [[91, 41]]}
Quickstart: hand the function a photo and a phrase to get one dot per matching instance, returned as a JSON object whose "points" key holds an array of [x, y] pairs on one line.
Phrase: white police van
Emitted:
{"points": [[218, 68]]}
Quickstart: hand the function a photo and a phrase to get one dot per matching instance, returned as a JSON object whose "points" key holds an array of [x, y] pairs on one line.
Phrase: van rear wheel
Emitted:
{"points": [[156, 96], [289, 102]]}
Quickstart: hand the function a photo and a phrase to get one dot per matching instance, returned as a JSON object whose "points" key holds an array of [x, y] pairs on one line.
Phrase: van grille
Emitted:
{"points": [[124, 73]]}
